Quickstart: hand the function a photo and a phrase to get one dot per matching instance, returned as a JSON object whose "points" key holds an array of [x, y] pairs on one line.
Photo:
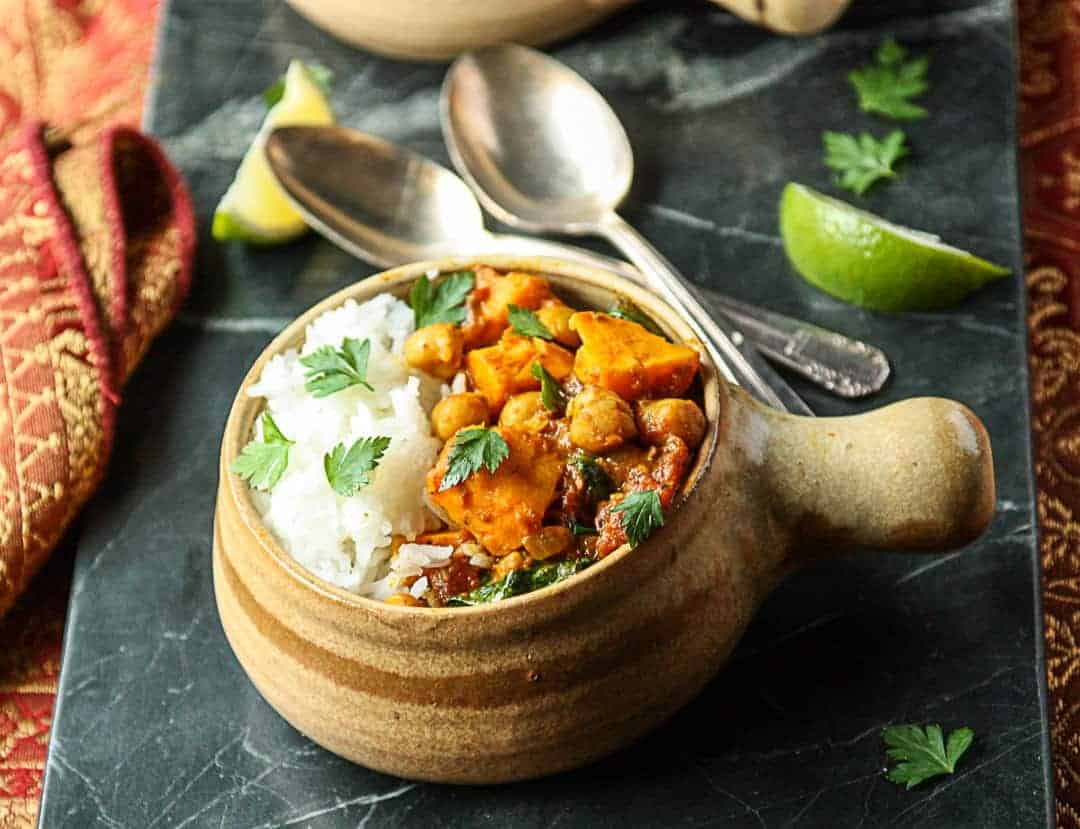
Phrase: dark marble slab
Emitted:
{"points": [[156, 724]]}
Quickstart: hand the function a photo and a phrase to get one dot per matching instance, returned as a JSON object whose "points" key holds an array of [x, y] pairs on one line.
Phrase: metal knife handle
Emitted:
{"points": [[846, 367]]}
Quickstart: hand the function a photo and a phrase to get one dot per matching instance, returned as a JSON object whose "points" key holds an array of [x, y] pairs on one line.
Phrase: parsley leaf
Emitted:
{"points": [[922, 753], [886, 86], [554, 572], [551, 393], [262, 463], [514, 583], [444, 302], [642, 515], [863, 160], [520, 581], [598, 484], [473, 449], [329, 370], [624, 309], [323, 76], [526, 323], [347, 472]]}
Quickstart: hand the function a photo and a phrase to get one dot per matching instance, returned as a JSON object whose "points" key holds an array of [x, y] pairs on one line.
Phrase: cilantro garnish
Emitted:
{"points": [[526, 323], [624, 309], [521, 581], [598, 484], [347, 471], [923, 753], [863, 160], [886, 86], [262, 463], [551, 393], [473, 449], [329, 370], [444, 302], [641, 515]]}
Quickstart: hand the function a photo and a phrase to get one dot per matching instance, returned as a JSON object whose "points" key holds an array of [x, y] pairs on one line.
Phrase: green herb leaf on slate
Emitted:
{"points": [[862, 160], [473, 449], [329, 370], [551, 393], [641, 515], [526, 323], [442, 302], [887, 86], [922, 752], [348, 471], [262, 463]]}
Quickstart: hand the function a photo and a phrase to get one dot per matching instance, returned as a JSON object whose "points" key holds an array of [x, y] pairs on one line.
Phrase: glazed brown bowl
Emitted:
{"points": [[554, 679]]}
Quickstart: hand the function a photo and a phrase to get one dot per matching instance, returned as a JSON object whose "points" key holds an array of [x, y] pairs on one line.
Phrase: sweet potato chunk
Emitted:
{"points": [[505, 369], [490, 297], [503, 507], [622, 356]]}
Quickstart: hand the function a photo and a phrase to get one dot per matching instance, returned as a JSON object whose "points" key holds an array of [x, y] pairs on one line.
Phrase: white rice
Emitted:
{"points": [[346, 541]]}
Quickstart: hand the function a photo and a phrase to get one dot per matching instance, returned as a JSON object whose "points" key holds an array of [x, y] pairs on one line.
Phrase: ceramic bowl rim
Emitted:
{"points": [[395, 278]]}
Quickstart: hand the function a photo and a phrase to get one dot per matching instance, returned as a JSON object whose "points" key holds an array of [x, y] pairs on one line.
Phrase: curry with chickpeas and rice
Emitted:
{"points": [[567, 433]]}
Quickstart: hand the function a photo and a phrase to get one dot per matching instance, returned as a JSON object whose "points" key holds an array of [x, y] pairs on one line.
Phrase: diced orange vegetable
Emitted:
{"points": [[490, 297], [502, 507], [505, 369], [623, 357], [555, 316]]}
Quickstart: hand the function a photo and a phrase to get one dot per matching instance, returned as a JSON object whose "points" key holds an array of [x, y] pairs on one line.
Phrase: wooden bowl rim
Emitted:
{"points": [[242, 412]]}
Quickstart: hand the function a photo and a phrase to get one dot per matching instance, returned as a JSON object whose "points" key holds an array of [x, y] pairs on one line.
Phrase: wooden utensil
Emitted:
{"points": [[554, 679]]}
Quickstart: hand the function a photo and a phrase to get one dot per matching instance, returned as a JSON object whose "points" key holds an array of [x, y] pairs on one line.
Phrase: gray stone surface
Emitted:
{"points": [[157, 726]]}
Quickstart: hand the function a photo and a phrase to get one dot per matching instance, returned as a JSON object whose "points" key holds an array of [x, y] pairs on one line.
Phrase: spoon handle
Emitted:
{"points": [[743, 366], [844, 366]]}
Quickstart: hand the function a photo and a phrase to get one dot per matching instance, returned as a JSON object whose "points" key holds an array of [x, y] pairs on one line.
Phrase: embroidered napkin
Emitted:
{"points": [[96, 244]]}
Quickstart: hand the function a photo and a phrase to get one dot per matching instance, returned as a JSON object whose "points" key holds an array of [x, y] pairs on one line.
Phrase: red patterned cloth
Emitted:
{"points": [[114, 268], [67, 61]]}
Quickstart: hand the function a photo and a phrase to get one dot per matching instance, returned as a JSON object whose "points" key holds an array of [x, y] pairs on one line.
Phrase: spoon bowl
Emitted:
{"points": [[542, 148], [391, 204]]}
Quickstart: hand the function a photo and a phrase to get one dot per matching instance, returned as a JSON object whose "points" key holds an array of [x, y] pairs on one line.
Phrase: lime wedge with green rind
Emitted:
{"points": [[865, 260], [255, 209]]}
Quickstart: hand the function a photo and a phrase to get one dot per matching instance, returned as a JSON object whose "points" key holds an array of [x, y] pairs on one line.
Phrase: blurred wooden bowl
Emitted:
{"points": [[425, 30], [557, 678]]}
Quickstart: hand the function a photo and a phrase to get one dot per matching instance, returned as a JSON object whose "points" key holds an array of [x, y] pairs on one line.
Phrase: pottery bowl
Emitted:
{"points": [[424, 30], [554, 679]]}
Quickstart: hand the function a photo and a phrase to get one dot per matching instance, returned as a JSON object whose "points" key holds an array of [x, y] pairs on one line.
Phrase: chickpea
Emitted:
{"points": [[556, 318], [458, 411], [405, 599], [525, 411], [436, 349], [600, 420], [656, 419], [550, 541], [507, 564]]}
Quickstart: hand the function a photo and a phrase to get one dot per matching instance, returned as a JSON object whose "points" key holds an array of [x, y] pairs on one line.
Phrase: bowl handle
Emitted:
{"points": [[916, 475]]}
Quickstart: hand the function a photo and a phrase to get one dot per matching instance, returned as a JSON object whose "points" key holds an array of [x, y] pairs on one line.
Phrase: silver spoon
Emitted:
{"points": [[546, 153], [390, 206]]}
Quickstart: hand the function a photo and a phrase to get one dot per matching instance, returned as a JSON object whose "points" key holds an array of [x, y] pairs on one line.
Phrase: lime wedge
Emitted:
{"points": [[863, 259], [254, 208]]}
